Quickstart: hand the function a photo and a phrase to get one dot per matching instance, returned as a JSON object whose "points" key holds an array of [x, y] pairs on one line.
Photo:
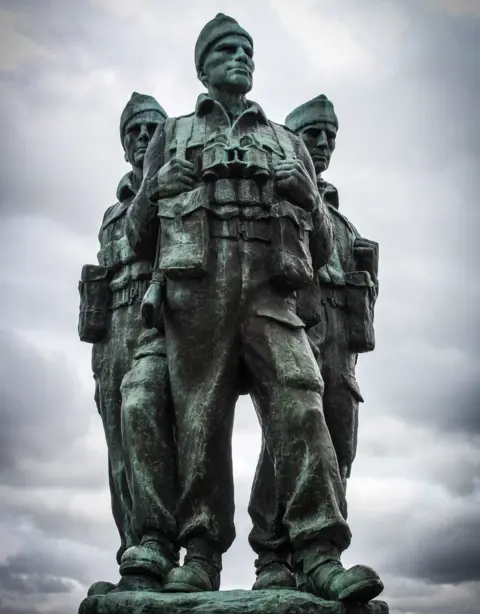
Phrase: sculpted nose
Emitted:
{"points": [[322, 139], [240, 55], [143, 132]]}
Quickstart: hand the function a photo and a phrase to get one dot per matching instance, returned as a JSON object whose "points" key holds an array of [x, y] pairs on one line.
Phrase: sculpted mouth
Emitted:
{"points": [[241, 69]]}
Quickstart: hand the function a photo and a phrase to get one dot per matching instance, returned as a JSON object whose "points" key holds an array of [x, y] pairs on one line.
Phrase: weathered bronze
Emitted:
{"points": [[338, 313], [111, 295], [251, 254]]}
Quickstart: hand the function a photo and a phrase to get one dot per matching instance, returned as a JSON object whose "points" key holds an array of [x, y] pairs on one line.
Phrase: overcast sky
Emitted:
{"points": [[405, 80]]}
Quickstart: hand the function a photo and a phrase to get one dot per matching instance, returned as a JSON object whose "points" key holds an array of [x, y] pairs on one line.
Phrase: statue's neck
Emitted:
{"points": [[233, 102], [137, 175]]}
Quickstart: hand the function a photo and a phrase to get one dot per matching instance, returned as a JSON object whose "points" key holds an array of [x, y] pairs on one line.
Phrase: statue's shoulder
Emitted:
{"points": [[341, 218], [287, 139], [182, 117], [290, 134], [114, 212]]}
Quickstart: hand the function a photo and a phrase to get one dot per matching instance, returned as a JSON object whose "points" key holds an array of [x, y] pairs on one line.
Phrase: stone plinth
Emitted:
{"points": [[223, 602]]}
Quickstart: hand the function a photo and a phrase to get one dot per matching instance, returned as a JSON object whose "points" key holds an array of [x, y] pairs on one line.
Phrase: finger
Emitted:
{"points": [[189, 184], [188, 177], [188, 173], [283, 175], [184, 163], [283, 166], [183, 175]]}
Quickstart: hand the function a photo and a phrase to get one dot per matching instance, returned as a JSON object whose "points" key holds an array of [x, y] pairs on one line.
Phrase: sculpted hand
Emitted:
{"points": [[175, 177], [292, 178]]}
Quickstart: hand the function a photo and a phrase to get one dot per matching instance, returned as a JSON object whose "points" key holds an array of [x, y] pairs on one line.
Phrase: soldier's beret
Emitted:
{"points": [[139, 103], [221, 25], [319, 108]]}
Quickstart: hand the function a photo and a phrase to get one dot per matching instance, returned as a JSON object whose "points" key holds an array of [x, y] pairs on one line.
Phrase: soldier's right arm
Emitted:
{"points": [[141, 225], [323, 235]]}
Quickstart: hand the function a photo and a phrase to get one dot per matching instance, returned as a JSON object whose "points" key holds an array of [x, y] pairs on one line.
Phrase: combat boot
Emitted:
{"points": [[274, 572], [101, 588], [328, 579], [154, 557], [200, 571]]}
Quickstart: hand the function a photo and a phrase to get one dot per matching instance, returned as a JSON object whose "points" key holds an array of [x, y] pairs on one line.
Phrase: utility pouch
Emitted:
{"points": [[184, 234], [359, 311], [290, 258], [94, 290], [310, 304]]}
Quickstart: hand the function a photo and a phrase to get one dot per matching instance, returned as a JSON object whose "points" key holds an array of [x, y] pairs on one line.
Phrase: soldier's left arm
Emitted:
{"points": [[323, 234]]}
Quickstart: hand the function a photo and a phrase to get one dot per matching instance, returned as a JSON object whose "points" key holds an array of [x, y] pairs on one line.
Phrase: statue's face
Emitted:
{"points": [[319, 138], [138, 133], [229, 65]]}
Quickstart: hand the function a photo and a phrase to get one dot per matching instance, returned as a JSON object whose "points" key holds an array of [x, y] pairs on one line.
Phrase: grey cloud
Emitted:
{"points": [[37, 406], [450, 554]]}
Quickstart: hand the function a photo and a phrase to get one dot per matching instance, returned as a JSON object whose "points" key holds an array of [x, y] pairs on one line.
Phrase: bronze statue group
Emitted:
{"points": [[226, 268]]}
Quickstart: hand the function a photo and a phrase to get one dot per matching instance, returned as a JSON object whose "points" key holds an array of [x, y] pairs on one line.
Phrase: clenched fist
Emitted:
{"points": [[175, 177], [292, 178]]}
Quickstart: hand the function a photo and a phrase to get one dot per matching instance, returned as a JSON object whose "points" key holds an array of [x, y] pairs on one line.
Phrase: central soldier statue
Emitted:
{"points": [[243, 228]]}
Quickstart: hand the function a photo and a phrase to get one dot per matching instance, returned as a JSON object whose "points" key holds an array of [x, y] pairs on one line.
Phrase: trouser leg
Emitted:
{"points": [[269, 536], [148, 443], [109, 406], [341, 403], [200, 324], [287, 390]]}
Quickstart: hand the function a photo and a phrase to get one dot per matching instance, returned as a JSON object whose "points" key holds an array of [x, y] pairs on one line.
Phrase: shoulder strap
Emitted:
{"points": [[183, 135], [169, 129], [284, 141]]}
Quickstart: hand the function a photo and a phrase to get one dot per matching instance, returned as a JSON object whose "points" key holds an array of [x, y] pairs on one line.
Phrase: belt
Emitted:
{"points": [[235, 228], [133, 293]]}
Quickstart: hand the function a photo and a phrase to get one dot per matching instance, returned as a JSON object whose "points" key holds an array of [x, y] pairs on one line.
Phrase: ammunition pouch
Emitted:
{"points": [[236, 228], [94, 290], [359, 300], [116, 252], [290, 259], [184, 235], [366, 256]]}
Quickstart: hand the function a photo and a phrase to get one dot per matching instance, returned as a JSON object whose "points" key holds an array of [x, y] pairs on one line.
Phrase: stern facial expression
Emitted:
{"points": [[138, 133], [229, 65], [320, 141]]}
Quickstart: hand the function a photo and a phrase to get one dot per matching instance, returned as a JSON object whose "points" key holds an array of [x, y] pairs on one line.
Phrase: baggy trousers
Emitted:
{"points": [[232, 316], [149, 443], [340, 404], [111, 360]]}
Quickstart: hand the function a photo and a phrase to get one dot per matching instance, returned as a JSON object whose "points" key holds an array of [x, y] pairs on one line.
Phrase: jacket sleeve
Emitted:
{"points": [[323, 235], [141, 224]]}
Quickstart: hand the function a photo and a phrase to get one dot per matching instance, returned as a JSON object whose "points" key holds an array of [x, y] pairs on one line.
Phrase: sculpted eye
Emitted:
{"points": [[227, 49]]}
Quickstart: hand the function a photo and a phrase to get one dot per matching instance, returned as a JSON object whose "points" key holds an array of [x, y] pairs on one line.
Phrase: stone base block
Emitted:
{"points": [[223, 602]]}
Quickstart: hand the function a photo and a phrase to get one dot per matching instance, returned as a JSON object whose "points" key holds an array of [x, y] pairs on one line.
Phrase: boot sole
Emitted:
{"points": [[362, 592], [143, 566], [293, 587], [180, 587]]}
